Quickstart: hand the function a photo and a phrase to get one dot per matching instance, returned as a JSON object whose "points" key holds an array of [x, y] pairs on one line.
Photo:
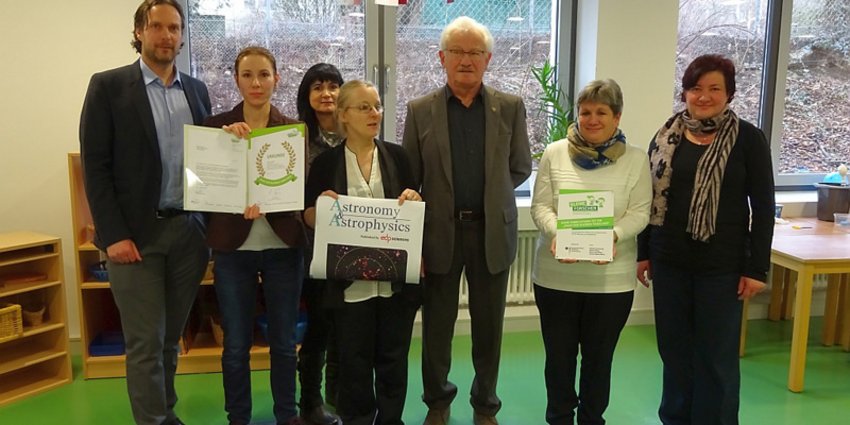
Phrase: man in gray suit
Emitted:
{"points": [[468, 146], [131, 145]]}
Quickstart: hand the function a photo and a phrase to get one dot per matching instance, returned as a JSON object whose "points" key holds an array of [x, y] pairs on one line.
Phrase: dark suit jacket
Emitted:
{"points": [[227, 232], [328, 172], [507, 163], [122, 167]]}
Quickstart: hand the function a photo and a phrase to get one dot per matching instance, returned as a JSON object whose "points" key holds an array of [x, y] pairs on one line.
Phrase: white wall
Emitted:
{"points": [[50, 52], [633, 42]]}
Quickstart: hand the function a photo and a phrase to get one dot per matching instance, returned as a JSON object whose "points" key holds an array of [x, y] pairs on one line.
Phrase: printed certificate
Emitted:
{"points": [[367, 239], [585, 225], [226, 174]]}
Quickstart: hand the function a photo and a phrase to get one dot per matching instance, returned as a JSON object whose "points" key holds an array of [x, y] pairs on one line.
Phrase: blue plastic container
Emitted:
{"points": [[107, 343], [98, 272]]}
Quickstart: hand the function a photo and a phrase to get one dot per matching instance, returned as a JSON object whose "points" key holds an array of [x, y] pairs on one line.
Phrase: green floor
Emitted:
{"points": [[634, 398]]}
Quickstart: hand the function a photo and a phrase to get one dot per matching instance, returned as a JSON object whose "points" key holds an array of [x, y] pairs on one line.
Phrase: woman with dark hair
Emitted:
{"points": [[316, 104], [249, 245], [373, 320], [707, 246]]}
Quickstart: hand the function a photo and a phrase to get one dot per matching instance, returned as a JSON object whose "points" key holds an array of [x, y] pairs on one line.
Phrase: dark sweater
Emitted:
{"points": [[739, 244]]}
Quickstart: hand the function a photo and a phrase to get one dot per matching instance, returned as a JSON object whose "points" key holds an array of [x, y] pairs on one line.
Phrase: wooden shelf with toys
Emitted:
{"points": [[34, 355], [100, 325]]}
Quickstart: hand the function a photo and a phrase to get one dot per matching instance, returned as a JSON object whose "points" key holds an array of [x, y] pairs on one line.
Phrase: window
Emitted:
{"points": [[735, 29], [815, 132], [793, 61], [395, 47]]}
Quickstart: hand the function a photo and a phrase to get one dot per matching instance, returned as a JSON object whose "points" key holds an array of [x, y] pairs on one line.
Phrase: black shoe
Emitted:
{"points": [[319, 416]]}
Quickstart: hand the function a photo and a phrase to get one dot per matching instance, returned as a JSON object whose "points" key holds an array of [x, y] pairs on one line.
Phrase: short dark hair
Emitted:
{"points": [[140, 19], [319, 72], [705, 64], [254, 50]]}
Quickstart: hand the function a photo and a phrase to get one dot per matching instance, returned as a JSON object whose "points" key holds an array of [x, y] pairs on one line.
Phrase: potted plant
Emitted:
{"points": [[554, 104]]}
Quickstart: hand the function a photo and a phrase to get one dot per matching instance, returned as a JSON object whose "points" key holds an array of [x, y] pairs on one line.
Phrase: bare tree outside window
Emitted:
{"points": [[299, 33], [816, 121], [303, 32], [521, 31], [816, 125], [732, 28]]}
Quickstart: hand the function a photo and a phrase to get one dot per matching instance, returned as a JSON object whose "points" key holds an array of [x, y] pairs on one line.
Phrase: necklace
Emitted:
{"points": [[701, 140]]}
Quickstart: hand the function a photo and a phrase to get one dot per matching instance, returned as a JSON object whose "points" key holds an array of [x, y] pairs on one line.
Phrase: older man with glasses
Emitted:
{"points": [[468, 146]]}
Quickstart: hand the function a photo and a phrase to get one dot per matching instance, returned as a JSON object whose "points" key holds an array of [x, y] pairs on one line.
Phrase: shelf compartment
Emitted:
{"points": [[26, 352], [20, 288], [34, 380]]}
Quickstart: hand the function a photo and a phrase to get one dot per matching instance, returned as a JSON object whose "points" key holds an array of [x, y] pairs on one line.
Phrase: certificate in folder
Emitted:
{"points": [[585, 225], [226, 174]]}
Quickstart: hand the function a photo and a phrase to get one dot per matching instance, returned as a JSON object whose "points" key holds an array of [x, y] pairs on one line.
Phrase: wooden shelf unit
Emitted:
{"points": [[39, 359], [98, 312]]}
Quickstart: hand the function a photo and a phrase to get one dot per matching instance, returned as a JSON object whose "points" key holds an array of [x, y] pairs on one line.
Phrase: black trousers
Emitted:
{"points": [[374, 341], [318, 339], [487, 311], [698, 328], [573, 321]]}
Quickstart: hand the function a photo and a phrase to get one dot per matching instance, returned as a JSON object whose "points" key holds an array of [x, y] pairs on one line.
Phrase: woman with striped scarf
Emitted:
{"points": [[707, 246]]}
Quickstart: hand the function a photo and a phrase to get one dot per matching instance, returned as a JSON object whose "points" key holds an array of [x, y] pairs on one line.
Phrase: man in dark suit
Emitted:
{"points": [[468, 146], [131, 142]]}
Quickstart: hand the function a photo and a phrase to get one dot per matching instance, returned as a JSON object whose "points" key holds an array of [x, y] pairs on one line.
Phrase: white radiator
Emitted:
{"points": [[520, 288]]}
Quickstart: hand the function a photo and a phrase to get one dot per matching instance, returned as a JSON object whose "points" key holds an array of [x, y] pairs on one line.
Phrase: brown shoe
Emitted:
{"points": [[319, 416], [437, 416], [482, 419]]}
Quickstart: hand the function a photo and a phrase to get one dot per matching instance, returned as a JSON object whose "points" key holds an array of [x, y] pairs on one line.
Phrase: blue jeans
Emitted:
{"points": [[236, 278], [698, 328]]}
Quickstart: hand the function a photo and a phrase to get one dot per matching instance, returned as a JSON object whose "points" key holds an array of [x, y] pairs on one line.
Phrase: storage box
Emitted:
{"points": [[107, 343], [11, 322], [832, 198]]}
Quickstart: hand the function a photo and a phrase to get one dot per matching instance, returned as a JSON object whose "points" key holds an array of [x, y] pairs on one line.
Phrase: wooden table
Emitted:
{"points": [[814, 247]]}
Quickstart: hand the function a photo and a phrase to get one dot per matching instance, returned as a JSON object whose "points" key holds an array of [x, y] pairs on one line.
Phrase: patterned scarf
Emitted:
{"points": [[710, 168], [589, 156]]}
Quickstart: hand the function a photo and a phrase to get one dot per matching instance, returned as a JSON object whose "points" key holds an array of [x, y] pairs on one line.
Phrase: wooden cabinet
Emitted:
{"points": [[99, 315], [37, 359]]}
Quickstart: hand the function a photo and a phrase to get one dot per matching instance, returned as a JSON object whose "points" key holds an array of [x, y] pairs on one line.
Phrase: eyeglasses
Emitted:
{"points": [[460, 53], [365, 108]]}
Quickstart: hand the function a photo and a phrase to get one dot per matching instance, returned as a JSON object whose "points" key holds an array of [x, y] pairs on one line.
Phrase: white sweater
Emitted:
{"points": [[630, 181]]}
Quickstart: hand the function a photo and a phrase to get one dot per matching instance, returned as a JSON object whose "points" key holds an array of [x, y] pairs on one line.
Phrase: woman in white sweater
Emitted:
{"points": [[584, 305]]}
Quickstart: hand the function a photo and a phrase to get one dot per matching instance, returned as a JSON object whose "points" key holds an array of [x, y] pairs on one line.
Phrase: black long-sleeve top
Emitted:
{"points": [[740, 244]]}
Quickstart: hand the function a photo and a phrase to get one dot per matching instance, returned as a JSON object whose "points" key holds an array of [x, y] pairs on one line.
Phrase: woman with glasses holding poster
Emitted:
{"points": [[373, 320]]}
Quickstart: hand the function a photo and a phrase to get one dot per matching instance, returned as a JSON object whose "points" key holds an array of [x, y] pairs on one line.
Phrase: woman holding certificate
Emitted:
{"points": [[707, 246], [584, 304], [249, 245], [373, 320]]}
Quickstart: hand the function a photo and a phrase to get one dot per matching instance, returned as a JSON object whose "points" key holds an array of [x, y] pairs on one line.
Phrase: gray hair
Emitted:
{"points": [[465, 23], [606, 92], [343, 101]]}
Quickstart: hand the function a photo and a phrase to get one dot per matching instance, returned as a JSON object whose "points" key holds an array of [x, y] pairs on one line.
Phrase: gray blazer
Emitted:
{"points": [[507, 163]]}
